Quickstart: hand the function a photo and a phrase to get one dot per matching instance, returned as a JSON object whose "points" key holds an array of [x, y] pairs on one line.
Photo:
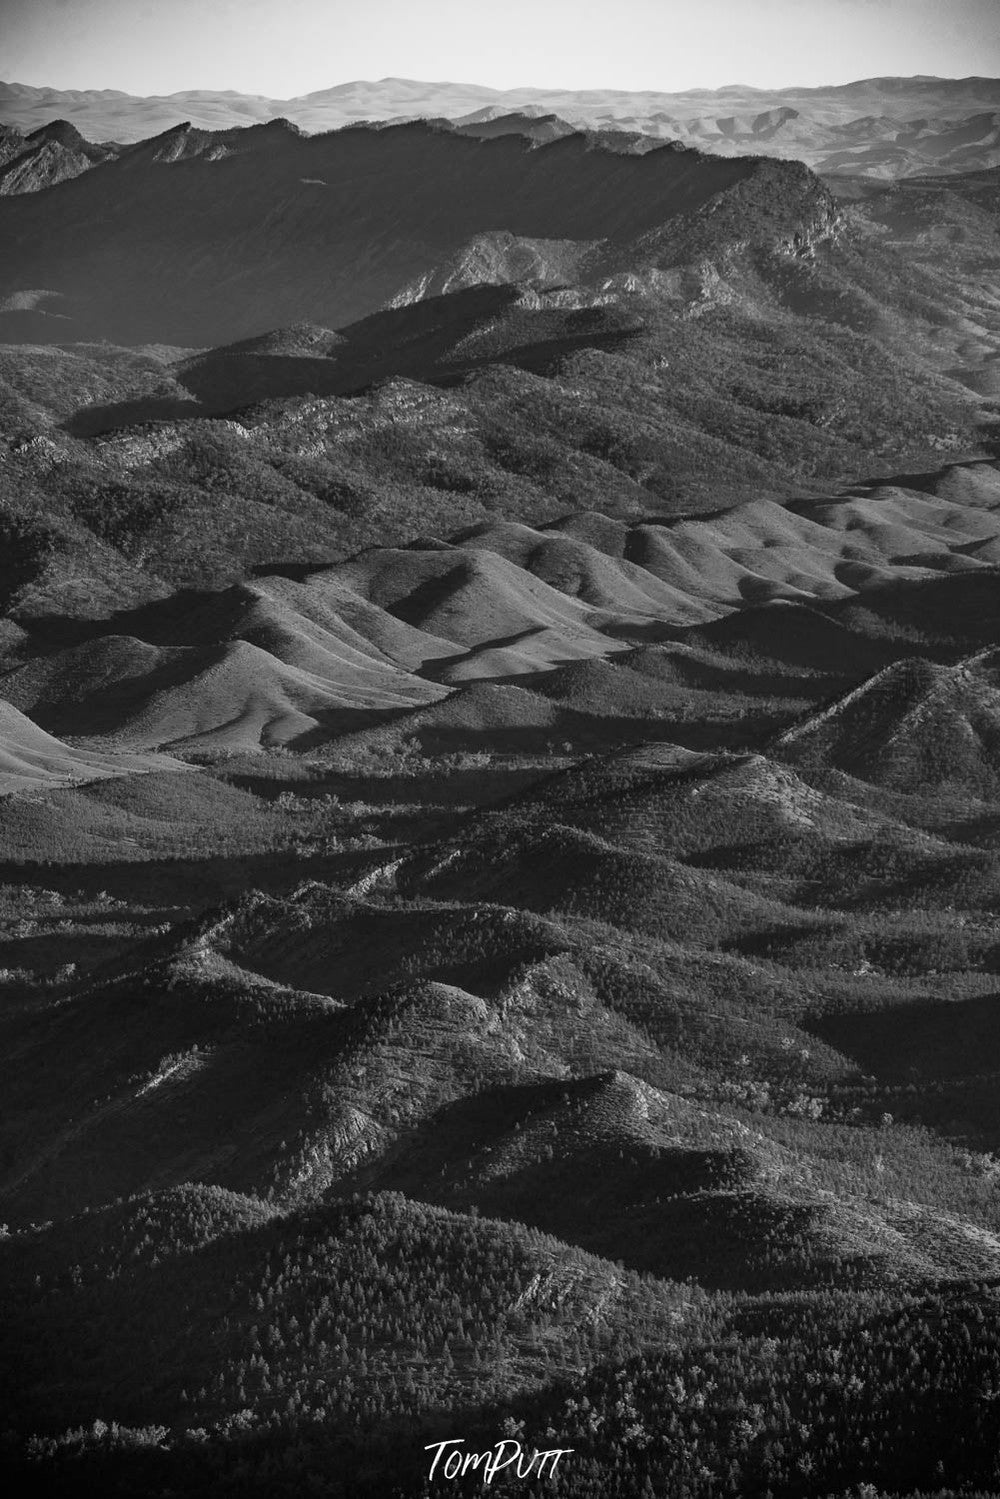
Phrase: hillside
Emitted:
{"points": [[293, 218], [31, 759], [914, 723]]}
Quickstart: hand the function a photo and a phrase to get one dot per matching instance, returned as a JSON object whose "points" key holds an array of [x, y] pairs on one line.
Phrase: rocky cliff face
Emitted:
{"points": [[52, 154]]}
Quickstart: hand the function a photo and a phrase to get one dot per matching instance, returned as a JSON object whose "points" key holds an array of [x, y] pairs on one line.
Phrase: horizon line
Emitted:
{"points": [[515, 89]]}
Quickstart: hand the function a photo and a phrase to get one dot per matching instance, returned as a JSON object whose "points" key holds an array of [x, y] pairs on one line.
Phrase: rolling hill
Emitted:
{"points": [[578, 624]]}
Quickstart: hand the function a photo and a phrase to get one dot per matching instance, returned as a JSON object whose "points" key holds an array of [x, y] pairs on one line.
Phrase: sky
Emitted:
{"points": [[283, 48]]}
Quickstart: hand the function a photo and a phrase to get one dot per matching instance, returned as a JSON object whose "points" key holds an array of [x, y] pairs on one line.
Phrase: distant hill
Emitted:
{"points": [[881, 127]]}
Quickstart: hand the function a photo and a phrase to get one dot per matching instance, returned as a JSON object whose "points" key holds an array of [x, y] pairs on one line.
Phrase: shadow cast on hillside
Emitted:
{"points": [[223, 384], [938, 1039], [92, 421], [187, 882]]}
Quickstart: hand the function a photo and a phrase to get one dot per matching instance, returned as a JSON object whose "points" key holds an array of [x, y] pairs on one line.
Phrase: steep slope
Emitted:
{"points": [[53, 153], [153, 219]]}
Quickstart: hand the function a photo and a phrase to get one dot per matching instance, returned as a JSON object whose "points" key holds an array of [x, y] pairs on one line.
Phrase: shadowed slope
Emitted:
{"points": [[325, 228]]}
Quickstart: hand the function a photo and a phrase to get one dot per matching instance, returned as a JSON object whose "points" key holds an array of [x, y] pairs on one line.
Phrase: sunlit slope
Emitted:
{"points": [[31, 760]]}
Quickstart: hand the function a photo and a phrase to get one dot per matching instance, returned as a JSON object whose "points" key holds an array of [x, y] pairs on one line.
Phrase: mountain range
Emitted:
{"points": [[882, 127], [499, 798]]}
